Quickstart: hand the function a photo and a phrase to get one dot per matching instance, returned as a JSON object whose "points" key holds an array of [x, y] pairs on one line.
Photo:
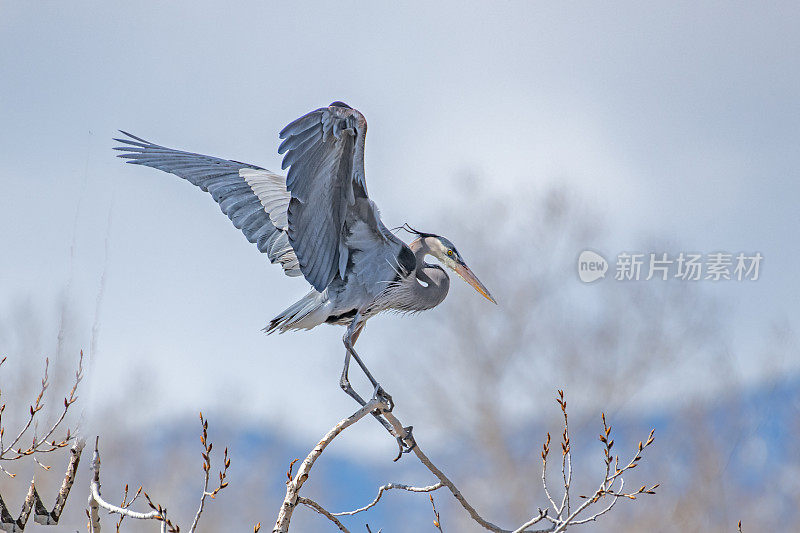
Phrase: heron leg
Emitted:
{"points": [[378, 390], [349, 343], [353, 330], [350, 336], [344, 383]]}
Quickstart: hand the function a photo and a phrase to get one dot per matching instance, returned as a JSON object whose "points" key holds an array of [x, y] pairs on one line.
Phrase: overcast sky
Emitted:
{"points": [[675, 121]]}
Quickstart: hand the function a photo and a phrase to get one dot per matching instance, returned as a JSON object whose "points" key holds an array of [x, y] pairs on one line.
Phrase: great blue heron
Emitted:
{"points": [[319, 222]]}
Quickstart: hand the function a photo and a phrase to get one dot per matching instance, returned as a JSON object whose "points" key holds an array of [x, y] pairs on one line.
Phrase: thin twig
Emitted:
{"points": [[566, 456], [41, 445], [94, 489], [324, 512], [545, 453], [390, 486], [532, 521], [207, 446], [437, 520], [614, 500]]}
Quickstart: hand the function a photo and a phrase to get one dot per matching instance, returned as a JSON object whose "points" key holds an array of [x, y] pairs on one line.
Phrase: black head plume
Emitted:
{"points": [[415, 232]]}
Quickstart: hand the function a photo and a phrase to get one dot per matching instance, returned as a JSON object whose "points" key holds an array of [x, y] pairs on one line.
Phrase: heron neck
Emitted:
{"points": [[436, 280], [420, 248]]}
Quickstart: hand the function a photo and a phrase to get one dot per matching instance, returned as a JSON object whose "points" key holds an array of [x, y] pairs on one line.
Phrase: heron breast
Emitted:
{"points": [[406, 260]]}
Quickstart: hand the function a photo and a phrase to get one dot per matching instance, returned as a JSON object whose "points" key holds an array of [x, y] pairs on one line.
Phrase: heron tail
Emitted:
{"points": [[311, 310]]}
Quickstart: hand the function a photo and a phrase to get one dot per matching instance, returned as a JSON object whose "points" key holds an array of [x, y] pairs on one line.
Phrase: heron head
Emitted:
{"points": [[445, 251]]}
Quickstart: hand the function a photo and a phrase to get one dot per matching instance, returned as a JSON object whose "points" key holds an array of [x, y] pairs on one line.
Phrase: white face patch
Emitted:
{"points": [[438, 250], [438, 247]]}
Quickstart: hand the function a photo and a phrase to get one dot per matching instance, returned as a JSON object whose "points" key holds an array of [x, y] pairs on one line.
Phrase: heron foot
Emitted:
{"points": [[384, 396], [344, 383], [406, 442]]}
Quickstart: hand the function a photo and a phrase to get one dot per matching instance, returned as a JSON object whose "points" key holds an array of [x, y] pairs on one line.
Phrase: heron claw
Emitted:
{"points": [[406, 442], [381, 394]]}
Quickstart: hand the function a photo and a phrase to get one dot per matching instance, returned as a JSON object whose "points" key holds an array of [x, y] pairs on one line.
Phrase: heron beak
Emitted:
{"points": [[466, 274]]}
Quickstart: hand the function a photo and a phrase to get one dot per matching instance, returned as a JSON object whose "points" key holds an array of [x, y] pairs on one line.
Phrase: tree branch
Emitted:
{"points": [[562, 518], [390, 486], [157, 512], [13, 452], [294, 485], [321, 510], [33, 503]]}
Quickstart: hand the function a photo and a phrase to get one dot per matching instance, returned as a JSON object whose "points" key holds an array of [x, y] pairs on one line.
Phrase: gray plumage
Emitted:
{"points": [[318, 221]]}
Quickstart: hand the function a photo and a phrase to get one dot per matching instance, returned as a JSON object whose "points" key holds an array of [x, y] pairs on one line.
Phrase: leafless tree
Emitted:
{"points": [[157, 512], [561, 512], [31, 437]]}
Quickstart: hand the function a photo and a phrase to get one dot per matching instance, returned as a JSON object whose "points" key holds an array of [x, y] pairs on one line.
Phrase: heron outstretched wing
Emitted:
{"points": [[324, 152], [255, 199]]}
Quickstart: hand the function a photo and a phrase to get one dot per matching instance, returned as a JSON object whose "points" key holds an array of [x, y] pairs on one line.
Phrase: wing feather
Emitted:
{"points": [[313, 221], [323, 151], [254, 199]]}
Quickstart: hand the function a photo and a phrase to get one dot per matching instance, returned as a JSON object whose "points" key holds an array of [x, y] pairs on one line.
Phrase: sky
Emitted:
{"points": [[676, 121]]}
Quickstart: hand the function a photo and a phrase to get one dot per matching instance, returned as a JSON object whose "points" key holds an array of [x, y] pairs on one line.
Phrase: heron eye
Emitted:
{"points": [[450, 253]]}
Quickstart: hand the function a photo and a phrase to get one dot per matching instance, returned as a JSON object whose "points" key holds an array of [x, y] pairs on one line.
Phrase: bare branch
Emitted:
{"points": [[440, 475], [563, 515], [614, 500], [157, 511], [535, 520], [226, 462], [545, 453], [33, 503], [437, 522], [96, 500], [45, 444], [321, 510], [566, 456], [390, 486], [294, 485]]}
